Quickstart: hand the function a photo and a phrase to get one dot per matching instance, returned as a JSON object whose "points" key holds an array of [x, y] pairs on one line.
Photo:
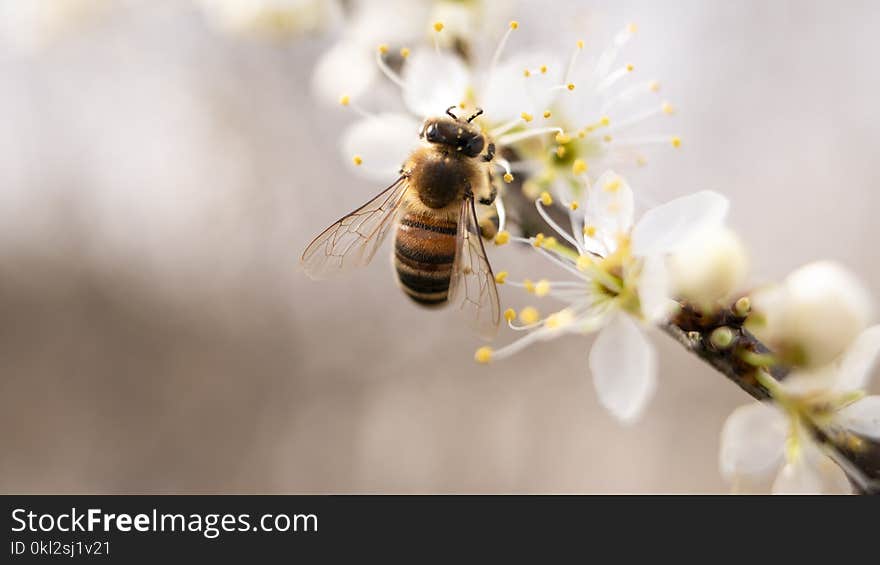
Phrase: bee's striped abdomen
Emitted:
{"points": [[424, 250]]}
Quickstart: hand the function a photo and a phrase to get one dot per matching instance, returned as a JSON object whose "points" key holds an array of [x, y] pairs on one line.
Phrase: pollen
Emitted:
{"points": [[560, 151], [605, 121], [550, 241], [501, 277], [527, 73], [574, 205], [546, 199], [613, 185], [345, 100], [667, 108], [562, 138], [630, 68], [539, 240], [514, 24], [584, 261], [529, 315], [580, 43], [404, 52], [590, 231], [383, 49], [501, 238], [542, 287], [526, 116], [570, 86], [483, 354], [438, 26], [578, 167], [543, 69], [654, 86], [547, 114], [676, 142], [508, 178], [510, 314], [357, 160]]}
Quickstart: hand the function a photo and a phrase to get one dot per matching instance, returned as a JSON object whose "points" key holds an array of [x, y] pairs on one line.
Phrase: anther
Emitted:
{"points": [[570, 86], [501, 238], [438, 26], [357, 160], [345, 100], [546, 199], [667, 108], [547, 114], [383, 49], [404, 52], [508, 178], [539, 240], [526, 116], [514, 24], [510, 314], [501, 277], [676, 142], [578, 167], [542, 288], [543, 69], [562, 138], [483, 354], [630, 67], [529, 315]]}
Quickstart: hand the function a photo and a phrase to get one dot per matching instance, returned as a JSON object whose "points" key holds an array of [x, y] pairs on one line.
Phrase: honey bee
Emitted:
{"points": [[439, 256]]}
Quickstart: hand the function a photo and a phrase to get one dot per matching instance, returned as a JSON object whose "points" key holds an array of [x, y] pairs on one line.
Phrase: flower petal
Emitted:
{"points": [[654, 289], [347, 68], [609, 208], [752, 440], [858, 360], [433, 82], [862, 417], [508, 92], [624, 367], [382, 143], [812, 473], [664, 228]]}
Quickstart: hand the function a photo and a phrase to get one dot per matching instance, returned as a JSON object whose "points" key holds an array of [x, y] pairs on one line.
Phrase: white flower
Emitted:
{"points": [[709, 268], [620, 282], [530, 103], [764, 437], [275, 18], [814, 314]]}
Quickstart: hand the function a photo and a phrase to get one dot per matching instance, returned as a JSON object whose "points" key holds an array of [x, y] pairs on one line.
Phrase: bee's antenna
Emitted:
{"points": [[450, 114], [474, 115]]}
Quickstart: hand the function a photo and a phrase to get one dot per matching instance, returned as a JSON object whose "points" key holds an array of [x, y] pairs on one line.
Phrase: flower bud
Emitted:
{"points": [[710, 267], [814, 314]]}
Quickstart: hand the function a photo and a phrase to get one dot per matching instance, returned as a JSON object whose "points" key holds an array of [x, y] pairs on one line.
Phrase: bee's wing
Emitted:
{"points": [[355, 238], [472, 284]]}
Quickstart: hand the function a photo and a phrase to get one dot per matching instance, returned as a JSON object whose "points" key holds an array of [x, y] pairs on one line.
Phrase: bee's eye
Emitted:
{"points": [[431, 133], [474, 145]]}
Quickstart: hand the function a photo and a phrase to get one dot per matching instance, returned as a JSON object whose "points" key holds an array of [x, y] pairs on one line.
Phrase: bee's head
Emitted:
{"points": [[455, 132]]}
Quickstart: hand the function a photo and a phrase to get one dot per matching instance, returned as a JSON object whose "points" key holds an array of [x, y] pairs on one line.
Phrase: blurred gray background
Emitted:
{"points": [[158, 179]]}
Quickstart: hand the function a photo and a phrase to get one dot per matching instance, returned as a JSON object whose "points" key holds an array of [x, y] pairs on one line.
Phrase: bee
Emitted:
{"points": [[439, 256]]}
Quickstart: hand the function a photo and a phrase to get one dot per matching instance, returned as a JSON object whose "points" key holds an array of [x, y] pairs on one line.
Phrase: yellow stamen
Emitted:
{"points": [[383, 49], [501, 277], [345, 99], [547, 114], [514, 24], [529, 315], [508, 178], [667, 108], [654, 86], [560, 151], [574, 205], [483, 354], [546, 199], [590, 231], [543, 69], [404, 52], [632, 28], [438, 26], [529, 285], [580, 43], [358, 160], [676, 142], [526, 116], [562, 138], [607, 139], [570, 86], [527, 73], [542, 288], [630, 67], [578, 167], [539, 240], [501, 238], [550, 242], [612, 185], [510, 314], [559, 319], [584, 261], [605, 120]]}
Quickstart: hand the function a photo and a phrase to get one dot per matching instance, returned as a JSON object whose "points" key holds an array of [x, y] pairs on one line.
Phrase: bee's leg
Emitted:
{"points": [[490, 153]]}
